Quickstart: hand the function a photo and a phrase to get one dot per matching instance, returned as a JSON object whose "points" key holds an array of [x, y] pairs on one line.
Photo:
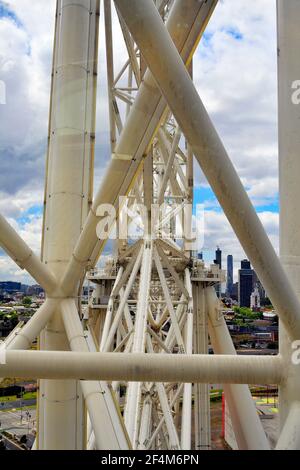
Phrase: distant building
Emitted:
{"points": [[229, 284], [235, 291], [245, 264], [258, 284], [34, 290], [255, 299], [24, 288], [218, 262], [245, 284], [218, 259]]}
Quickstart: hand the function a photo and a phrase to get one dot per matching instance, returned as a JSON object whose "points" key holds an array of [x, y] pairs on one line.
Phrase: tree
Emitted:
{"points": [[27, 301], [266, 302], [246, 313]]}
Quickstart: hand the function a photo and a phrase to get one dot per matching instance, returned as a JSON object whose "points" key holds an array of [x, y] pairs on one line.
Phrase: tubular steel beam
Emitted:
{"points": [[97, 395], [247, 426], [288, 14], [133, 367]]}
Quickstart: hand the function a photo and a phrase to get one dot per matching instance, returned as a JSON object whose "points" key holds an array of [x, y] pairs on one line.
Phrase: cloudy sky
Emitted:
{"points": [[235, 74]]}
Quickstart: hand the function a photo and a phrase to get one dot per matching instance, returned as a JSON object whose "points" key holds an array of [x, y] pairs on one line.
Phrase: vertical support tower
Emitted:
{"points": [[68, 195]]}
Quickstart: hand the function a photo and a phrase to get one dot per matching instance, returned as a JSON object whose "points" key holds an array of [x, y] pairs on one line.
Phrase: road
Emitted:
{"points": [[9, 405], [19, 424]]}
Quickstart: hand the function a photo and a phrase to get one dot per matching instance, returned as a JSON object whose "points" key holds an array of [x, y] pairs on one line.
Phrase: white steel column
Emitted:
{"points": [[186, 421], [145, 424], [101, 407], [133, 397], [201, 391], [68, 193], [247, 427], [289, 175]]}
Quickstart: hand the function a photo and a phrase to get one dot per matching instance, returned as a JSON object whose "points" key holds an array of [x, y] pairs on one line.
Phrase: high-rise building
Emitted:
{"points": [[245, 283], [235, 291], [245, 264], [218, 262], [218, 259], [260, 287], [255, 299], [229, 284]]}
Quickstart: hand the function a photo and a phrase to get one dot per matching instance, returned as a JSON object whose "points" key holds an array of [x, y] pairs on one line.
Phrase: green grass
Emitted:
{"points": [[26, 396], [29, 395], [6, 399]]}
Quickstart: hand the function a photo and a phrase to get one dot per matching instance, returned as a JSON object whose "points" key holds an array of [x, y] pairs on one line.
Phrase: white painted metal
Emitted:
{"points": [[201, 391], [99, 402], [145, 424], [68, 192], [246, 424], [173, 441], [108, 318], [186, 423], [289, 167], [172, 368], [23, 339], [113, 329], [133, 397], [290, 436]]}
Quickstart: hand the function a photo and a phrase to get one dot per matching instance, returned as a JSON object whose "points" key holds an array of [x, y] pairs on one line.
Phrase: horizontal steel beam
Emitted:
{"points": [[139, 367]]}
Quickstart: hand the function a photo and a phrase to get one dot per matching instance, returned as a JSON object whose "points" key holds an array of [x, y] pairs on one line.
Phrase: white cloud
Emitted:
{"points": [[31, 232], [236, 75], [218, 232]]}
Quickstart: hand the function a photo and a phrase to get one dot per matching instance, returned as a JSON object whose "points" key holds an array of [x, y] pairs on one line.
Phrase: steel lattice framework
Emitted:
{"points": [[134, 371]]}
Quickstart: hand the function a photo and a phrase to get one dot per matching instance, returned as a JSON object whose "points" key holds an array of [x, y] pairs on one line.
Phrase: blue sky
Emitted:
{"points": [[234, 72], [6, 12], [205, 195]]}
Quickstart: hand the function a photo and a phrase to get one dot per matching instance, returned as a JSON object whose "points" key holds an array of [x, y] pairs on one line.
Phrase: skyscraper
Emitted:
{"points": [[229, 284], [258, 284], [245, 283], [218, 262], [218, 259], [255, 299]]}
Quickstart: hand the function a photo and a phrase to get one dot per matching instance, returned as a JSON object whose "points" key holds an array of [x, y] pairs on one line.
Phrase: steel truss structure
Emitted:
{"points": [[135, 373]]}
